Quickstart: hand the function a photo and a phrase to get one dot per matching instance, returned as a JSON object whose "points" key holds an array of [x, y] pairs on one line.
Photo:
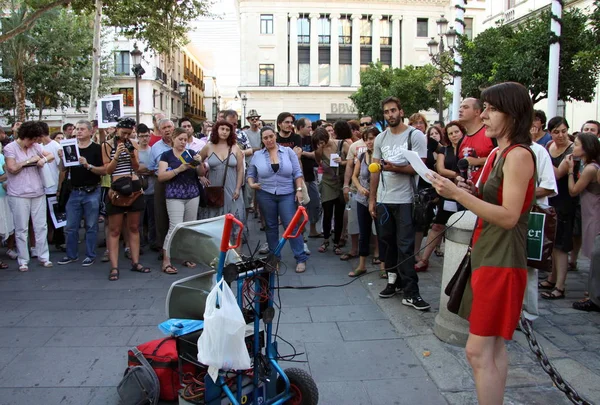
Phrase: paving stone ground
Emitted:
{"points": [[65, 331]]}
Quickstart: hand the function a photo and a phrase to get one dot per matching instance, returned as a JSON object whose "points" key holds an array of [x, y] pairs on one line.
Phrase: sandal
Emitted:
{"points": [[113, 274], [348, 256], [423, 267], [189, 265], [301, 267], [23, 268], [47, 264], [169, 269], [546, 285], [438, 252], [139, 268], [3, 265], [375, 260], [324, 246], [551, 296], [337, 249], [586, 305], [357, 272], [383, 274]]}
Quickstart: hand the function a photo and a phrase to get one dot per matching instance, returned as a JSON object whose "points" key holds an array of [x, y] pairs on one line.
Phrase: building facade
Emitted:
{"points": [[306, 57], [159, 89], [512, 12]]}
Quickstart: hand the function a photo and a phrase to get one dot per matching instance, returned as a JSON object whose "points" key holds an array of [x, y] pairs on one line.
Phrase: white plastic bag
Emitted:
{"points": [[48, 180], [221, 345]]}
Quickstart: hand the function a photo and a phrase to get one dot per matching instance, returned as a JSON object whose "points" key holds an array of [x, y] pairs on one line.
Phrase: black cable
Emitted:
{"points": [[312, 287]]}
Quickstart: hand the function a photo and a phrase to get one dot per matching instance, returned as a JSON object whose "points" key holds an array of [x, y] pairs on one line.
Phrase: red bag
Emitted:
{"points": [[162, 356]]}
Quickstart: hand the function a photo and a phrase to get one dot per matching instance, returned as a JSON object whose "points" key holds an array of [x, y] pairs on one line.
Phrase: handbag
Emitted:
{"points": [[422, 199], [305, 195], [541, 233], [64, 192], [458, 290], [215, 195], [121, 192], [144, 181], [140, 384]]}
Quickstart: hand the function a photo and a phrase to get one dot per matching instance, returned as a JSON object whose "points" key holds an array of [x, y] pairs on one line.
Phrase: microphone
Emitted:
{"points": [[374, 168], [463, 168]]}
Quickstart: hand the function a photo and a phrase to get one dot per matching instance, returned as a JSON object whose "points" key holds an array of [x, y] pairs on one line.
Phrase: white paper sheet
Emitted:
{"points": [[415, 161], [331, 162], [450, 206]]}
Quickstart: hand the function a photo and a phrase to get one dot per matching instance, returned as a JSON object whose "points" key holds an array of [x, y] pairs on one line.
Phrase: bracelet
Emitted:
{"points": [[345, 187], [45, 159], [570, 173]]}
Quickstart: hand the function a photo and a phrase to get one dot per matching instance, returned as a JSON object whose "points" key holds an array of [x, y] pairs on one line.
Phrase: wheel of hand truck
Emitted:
{"points": [[302, 387]]}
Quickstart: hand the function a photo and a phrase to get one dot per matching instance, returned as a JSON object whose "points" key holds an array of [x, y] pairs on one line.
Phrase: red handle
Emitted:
{"points": [[229, 220], [300, 212]]}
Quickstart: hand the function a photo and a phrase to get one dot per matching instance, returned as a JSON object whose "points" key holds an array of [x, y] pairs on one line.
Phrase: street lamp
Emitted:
{"points": [[439, 57], [138, 71], [244, 101]]}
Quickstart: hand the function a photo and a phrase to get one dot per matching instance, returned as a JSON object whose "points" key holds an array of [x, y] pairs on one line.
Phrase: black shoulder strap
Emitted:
{"points": [[410, 138]]}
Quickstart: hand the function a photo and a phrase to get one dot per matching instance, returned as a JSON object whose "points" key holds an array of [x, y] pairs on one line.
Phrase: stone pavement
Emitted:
{"points": [[64, 334]]}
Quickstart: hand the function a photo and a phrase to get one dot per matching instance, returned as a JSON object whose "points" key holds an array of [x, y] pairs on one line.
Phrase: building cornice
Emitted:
{"points": [[301, 89], [395, 2]]}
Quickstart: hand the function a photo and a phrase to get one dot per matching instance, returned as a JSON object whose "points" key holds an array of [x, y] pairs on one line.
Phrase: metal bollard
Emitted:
{"points": [[449, 327]]}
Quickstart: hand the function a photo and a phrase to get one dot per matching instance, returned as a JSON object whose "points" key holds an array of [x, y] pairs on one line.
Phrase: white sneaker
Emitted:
{"points": [[264, 249], [306, 250], [12, 254]]}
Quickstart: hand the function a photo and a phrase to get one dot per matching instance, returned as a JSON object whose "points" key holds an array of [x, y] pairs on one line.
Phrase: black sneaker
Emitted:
{"points": [[416, 302], [389, 291], [66, 260]]}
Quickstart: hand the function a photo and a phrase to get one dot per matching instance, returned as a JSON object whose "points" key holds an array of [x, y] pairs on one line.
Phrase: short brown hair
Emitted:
{"points": [[391, 99]]}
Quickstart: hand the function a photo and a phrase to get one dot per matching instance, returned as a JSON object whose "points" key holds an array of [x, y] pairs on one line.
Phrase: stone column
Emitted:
{"points": [[449, 327], [314, 49], [334, 64], [356, 50], [375, 34], [396, 45], [293, 79]]}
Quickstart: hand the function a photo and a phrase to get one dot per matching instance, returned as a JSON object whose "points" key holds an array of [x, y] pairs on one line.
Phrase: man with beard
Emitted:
{"points": [[391, 202], [286, 135]]}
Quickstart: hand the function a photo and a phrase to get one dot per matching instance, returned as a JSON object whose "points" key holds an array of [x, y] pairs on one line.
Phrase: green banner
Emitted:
{"points": [[535, 235]]}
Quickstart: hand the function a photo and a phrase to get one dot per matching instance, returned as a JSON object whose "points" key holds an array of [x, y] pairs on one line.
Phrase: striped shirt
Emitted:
{"points": [[123, 164]]}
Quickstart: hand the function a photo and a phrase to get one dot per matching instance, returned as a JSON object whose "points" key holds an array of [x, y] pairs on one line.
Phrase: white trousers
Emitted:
{"points": [[22, 209], [180, 211]]}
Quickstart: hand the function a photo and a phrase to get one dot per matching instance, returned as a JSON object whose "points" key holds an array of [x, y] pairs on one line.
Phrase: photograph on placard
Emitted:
{"points": [[110, 108], [70, 152], [59, 218]]}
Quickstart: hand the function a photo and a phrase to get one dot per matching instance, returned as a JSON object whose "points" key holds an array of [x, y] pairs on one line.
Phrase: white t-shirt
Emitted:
{"points": [[396, 188], [545, 171], [52, 148]]}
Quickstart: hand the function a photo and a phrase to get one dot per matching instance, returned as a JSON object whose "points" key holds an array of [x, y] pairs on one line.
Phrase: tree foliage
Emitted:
{"points": [[34, 9], [520, 53], [416, 87]]}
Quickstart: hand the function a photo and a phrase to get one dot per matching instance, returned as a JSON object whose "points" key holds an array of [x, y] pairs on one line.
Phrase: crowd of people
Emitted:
{"points": [[498, 159]]}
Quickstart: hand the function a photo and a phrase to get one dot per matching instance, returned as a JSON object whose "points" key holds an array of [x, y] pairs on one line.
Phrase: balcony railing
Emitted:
{"points": [[123, 69], [160, 75], [195, 111], [387, 41], [174, 85], [324, 39], [345, 39], [304, 39], [366, 40]]}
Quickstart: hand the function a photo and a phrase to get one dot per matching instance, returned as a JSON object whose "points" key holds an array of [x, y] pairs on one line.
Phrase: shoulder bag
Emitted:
{"points": [[121, 192], [305, 195], [458, 290], [215, 195], [422, 199], [140, 384]]}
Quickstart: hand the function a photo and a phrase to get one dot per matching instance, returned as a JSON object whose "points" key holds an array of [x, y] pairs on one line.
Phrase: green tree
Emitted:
{"points": [[34, 9], [414, 86], [520, 53], [58, 74]]}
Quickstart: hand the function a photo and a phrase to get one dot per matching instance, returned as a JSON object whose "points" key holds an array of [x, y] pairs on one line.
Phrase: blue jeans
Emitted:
{"points": [[273, 207], [86, 205]]}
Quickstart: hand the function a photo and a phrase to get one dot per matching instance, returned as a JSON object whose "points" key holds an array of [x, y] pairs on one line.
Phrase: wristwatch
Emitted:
{"points": [[90, 167], [299, 189]]}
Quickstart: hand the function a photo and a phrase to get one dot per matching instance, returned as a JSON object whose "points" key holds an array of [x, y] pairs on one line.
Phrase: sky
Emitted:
{"points": [[216, 43]]}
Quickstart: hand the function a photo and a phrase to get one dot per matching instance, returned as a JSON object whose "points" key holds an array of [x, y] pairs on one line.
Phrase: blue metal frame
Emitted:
{"points": [[213, 390]]}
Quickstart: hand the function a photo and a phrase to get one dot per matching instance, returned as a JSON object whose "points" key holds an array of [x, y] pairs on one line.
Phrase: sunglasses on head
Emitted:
{"points": [[366, 124]]}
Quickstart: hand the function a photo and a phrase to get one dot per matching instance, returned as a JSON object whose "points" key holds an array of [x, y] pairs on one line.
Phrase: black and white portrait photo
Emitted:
{"points": [[70, 152], [110, 108]]}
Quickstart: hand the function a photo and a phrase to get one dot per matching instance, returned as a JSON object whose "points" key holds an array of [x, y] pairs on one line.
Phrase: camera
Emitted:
{"points": [[129, 146]]}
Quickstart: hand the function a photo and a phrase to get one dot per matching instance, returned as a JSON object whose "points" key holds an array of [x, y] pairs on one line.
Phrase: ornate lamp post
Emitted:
{"points": [[244, 101], [138, 71], [439, 57]]}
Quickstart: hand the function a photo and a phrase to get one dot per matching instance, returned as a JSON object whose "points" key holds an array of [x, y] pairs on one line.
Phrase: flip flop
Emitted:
{"points": [[375, 260], [348, 256], [3, 265], [172, 271], [189, 265], [357, 273]]}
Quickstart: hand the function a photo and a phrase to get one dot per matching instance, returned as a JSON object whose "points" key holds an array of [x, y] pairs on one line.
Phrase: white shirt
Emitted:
{"points": [[197, 144], [53, 148], [545, 171]]}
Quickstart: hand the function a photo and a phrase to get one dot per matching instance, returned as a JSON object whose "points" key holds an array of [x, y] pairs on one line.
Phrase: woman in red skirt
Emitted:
{"points": [[501, 200]]}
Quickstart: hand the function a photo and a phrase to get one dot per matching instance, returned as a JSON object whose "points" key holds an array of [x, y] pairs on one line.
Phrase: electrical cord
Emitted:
{"points": [[312, 287]]}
